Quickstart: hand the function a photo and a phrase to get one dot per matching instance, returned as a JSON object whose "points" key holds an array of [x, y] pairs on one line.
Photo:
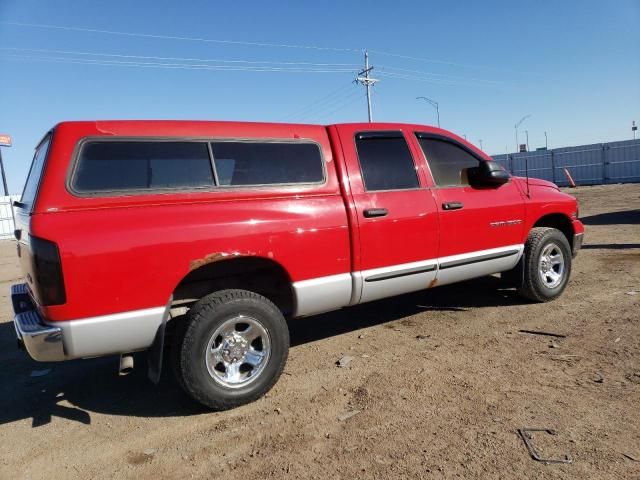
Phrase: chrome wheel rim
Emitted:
{"points": [[551, 266], [238, 351]]}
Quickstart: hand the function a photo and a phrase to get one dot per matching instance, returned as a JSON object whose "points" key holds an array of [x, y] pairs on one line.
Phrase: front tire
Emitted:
{"points": [[232, 349], [547, 264]]}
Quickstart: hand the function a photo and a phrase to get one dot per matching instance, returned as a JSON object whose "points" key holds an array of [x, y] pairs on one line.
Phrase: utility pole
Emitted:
{"points": [[434, 104], [546, 141], [364, 79]]}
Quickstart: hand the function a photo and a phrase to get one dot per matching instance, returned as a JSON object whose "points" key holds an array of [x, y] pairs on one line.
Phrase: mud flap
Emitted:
{"points": [[519, 272], [156, 351], [514, 277]]}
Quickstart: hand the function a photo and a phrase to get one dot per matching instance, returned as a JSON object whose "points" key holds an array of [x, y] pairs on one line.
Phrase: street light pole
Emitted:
{"points": [[546, 141], [480, 143], [526, 132], [4, 178], [516, 128], [5, 141], [434, 104]]}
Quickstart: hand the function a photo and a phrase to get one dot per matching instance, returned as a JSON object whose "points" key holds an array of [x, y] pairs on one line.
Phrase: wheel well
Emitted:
{"points": [[256, 274], [560, 222]]}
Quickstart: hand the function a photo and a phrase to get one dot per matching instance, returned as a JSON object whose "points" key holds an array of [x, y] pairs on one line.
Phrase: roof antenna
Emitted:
{"points": [[526, 172], [526, 161]]}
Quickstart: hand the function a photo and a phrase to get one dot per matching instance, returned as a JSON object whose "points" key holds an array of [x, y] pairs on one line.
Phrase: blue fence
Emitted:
{"points": [[595, 164]]}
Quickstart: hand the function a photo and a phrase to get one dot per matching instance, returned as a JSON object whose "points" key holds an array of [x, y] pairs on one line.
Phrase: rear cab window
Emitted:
{"points": [[106, 167], [240, 163], [111, 166]]}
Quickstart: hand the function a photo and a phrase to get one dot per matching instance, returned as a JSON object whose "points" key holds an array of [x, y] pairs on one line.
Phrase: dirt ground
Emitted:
{"points": [[440, 382]]}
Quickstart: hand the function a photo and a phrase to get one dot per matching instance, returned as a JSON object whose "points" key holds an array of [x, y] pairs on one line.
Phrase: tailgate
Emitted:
{"points": [[39, 259]]}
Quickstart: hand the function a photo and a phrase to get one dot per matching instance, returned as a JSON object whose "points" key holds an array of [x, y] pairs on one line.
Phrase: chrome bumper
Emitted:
{"points": [[43, 342], [111, 334]]}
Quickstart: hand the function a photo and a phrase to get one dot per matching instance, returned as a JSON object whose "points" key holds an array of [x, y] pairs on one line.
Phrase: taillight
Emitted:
{"points": [[47, 269]]}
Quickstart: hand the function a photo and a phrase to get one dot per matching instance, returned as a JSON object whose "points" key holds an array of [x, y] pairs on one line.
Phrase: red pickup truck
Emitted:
{"points": [[202, 238]]}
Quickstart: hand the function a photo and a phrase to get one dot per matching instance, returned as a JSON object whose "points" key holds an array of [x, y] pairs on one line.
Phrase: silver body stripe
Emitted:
{"points": [[136, 330], [110, 334], [323, 294], [357, 288], [336, 291], [396, 285], [480, 263]]}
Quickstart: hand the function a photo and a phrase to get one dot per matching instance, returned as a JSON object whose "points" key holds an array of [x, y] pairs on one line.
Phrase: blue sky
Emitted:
{"points": [[573, 65]]}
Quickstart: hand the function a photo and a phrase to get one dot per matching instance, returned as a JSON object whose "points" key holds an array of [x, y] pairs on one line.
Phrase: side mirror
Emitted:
{"points": [[488, 173]]}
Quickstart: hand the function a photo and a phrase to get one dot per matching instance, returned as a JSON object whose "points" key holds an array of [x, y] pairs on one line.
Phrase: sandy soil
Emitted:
{"points": [[440, 382]]}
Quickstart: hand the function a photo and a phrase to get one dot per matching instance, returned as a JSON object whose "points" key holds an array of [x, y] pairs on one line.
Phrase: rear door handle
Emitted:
{"points": [[375, 212], [452, 205]]}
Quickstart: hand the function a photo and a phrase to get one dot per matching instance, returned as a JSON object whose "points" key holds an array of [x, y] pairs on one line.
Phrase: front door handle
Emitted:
{"points": [[375, 212], [452, 205]]}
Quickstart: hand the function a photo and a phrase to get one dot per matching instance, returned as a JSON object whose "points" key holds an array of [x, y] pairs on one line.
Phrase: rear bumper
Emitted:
{"points": [[82, 338], [43, 342]]}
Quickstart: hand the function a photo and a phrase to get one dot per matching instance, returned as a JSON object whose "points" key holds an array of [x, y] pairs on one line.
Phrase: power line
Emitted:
{"points": [[352, 100], [443, 62], [247, 43], [320, 105], [330, 106], [239, 65], [182, 66], [444, 76], [184, 59], [435, 81], [419, 59], [390, 69], [320, 102], [186, 63], [176, 37]]}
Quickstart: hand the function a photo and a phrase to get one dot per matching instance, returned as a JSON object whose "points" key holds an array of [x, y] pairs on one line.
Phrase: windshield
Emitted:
{"points": [[31, 186]]}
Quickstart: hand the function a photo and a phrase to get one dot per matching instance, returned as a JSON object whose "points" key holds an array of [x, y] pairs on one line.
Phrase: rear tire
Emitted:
{"points": [[231, 350], [547, 264]]}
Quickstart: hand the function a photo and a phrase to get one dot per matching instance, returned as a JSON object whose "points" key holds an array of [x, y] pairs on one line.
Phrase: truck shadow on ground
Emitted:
{"points": [[611, 246], [623, 217], [73, 390]]}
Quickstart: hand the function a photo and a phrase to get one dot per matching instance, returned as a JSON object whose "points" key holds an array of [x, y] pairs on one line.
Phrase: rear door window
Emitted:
{"points": [[111, 166], [385, 161], [37, 165]]}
